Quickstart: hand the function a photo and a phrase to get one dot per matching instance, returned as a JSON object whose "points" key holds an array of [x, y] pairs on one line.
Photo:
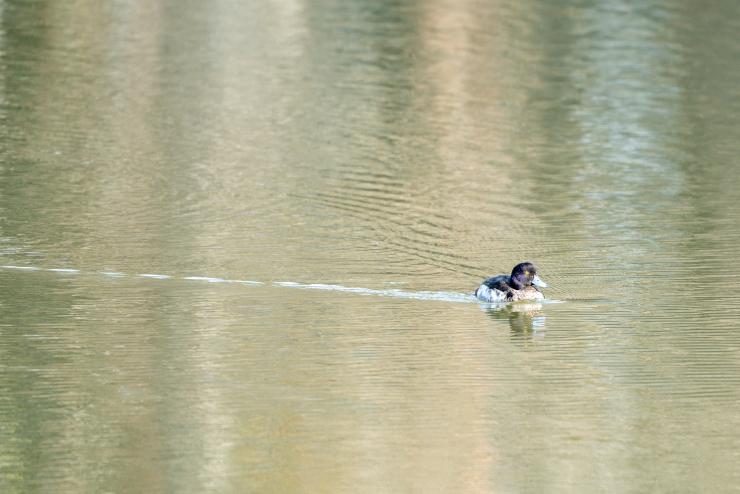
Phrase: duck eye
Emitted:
{"points": [[526, 273]]}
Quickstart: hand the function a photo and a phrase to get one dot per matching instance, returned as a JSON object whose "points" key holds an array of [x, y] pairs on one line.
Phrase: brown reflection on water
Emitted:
{"points": [[526, 320], [418, 146]]}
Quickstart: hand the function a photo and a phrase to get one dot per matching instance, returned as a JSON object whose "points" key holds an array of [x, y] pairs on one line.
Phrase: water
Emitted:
{"points": [[238, 243]]}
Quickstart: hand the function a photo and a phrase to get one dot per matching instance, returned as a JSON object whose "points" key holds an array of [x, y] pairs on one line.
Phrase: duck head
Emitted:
{"points": [[525, 274]]}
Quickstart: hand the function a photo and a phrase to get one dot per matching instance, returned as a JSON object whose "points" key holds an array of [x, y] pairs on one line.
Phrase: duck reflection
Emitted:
{"points": [[525, 318]]}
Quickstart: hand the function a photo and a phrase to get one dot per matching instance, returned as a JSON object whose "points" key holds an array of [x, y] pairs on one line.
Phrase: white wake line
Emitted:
{"points": [[443, 296], [117, 274], [420, 295], [391, 292]]}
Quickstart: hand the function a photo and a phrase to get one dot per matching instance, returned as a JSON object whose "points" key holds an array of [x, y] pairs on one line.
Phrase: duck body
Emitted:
{"points": [[497, 289], [520, 285]]}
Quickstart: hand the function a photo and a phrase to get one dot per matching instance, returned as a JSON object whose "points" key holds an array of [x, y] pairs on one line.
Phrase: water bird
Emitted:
{"points": [[522, 284]]}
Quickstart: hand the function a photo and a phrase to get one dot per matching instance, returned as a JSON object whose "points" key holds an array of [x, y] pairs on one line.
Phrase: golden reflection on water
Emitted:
{"points": [[401, 147]]}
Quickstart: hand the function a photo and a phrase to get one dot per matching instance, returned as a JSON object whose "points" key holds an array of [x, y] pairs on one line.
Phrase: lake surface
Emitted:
{"points": [[238, 242]]}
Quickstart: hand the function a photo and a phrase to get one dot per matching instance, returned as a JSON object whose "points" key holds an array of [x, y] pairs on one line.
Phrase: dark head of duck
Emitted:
{"points": [[524, 275]]}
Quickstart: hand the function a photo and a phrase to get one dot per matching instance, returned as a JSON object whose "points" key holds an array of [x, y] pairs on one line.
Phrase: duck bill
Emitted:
{"points": [[536, 281]]}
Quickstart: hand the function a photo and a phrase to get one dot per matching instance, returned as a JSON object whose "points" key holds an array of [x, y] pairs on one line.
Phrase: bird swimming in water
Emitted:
{"points": [[522, 284]]}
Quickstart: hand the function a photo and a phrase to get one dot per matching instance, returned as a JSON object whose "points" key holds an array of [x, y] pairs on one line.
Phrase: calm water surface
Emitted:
{"points": [[313, 190]]}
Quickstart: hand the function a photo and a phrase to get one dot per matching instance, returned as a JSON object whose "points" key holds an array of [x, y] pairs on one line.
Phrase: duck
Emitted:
{"points": [[522, 284]]}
